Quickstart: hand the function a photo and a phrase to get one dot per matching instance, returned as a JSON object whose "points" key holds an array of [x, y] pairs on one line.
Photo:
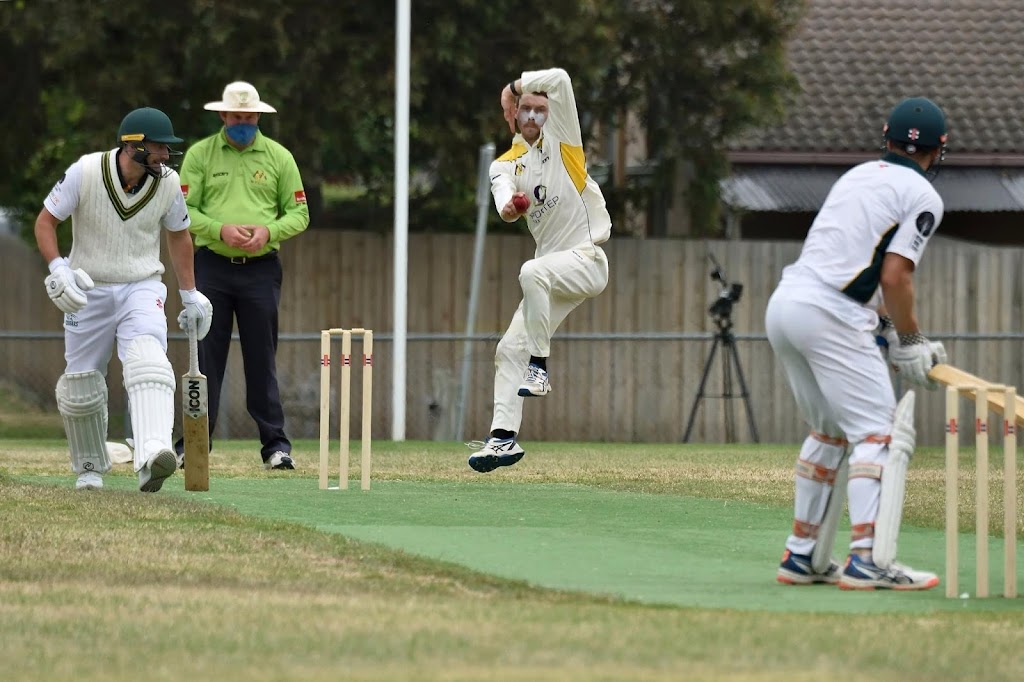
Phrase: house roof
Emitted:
{"points": [[855, 60], [794, 188]]}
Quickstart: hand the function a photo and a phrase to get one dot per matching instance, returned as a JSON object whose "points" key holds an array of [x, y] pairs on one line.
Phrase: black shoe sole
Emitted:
{"points": [[488, 463]]}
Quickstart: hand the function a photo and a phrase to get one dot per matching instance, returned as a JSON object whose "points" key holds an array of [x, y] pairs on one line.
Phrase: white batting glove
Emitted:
{"points": [[913, 360], [198, 311], [67, 287]]}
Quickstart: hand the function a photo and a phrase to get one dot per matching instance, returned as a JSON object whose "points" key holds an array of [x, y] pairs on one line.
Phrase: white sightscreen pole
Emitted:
{"points": [[483, 203], [402, 31]]}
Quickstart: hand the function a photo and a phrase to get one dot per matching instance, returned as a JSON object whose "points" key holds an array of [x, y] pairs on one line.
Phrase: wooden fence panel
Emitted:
{"points": [[612, 390]]}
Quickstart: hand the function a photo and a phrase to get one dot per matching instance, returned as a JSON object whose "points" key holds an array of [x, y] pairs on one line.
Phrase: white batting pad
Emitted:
{"points": [[893, 487], [821, 555], [82, 402], [150, 383]]}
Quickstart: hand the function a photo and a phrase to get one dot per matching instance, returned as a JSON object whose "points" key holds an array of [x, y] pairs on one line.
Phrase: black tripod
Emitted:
{"points": [[729, 357]]}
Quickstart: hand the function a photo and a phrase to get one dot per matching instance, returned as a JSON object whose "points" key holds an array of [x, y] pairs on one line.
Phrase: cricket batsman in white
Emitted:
{"points": [[543, 177], [858, 263], [120, 202]]}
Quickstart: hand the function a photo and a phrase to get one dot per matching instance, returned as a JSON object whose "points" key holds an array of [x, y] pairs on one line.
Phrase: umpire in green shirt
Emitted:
{"points": [[245, 196]]}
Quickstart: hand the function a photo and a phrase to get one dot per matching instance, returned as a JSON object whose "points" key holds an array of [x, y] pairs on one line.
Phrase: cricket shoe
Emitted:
{"points": [[160, 467], [863, 574], [796, 569], [89, 480], [536, 382], [279, 460], [496, 452]]}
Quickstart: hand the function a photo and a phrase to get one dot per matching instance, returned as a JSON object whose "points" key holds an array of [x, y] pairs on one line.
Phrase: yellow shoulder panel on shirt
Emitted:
{"points": [[515, 152], [576, 165]]}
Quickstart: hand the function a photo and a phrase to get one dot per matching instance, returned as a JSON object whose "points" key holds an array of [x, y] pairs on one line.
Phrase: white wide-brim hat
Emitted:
{"points": [[240, 96]]}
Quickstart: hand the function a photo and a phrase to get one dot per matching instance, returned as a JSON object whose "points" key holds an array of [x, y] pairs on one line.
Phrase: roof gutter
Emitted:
{"points": [[850, 158]]}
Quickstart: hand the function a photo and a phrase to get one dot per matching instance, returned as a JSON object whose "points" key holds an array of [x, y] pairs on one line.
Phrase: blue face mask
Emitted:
{"points": [[242, 133]]}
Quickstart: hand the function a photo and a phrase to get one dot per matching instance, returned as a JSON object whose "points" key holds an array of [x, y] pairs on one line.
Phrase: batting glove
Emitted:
{"points": [[914, 358], [67, 287], [198, 311]]}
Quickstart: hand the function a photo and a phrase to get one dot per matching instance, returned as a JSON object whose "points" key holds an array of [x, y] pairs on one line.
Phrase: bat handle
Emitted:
{"points": [[193, 350]]}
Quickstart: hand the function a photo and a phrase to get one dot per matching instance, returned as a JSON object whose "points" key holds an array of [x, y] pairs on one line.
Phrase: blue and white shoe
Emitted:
{"points": [[796, 569], [863, 574], [535, 383], [496, 452]]}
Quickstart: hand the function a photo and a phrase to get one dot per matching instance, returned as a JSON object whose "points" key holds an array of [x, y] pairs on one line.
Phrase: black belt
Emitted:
{"points": [[243, 260]]}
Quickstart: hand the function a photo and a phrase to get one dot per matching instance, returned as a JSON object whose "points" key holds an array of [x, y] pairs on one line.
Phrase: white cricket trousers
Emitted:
{"points": [[553, 286], [115, 312], [826, 345]]}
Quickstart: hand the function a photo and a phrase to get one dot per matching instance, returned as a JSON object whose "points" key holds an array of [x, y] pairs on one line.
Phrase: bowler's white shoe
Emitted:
{"points": [[536, 382], [161, 466], [89, 480], [496, 452]]}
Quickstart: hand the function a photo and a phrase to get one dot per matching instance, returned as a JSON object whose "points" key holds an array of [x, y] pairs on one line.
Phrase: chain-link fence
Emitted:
{"points": [[627, 387]]}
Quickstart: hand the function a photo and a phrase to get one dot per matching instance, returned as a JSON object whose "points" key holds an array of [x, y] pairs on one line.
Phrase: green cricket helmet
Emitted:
{"points": [[148, 125], [918, 123]]}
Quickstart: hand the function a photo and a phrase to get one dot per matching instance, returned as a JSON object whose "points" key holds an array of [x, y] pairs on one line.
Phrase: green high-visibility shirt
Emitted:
{"points": [[259, 185]]}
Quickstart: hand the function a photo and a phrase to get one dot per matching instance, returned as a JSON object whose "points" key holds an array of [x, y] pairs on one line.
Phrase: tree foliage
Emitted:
{"points": [[698, 71]]}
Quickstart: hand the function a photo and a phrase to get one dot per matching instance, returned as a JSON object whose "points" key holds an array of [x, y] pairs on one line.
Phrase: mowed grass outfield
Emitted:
{"points": [[583, 562]]}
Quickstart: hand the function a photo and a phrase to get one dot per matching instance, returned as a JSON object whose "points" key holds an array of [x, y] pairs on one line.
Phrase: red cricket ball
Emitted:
{"points": [[521, 203]]}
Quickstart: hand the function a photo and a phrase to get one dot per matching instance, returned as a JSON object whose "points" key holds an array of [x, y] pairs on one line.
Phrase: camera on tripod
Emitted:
{"points": [[721, 313], [721, 308]]}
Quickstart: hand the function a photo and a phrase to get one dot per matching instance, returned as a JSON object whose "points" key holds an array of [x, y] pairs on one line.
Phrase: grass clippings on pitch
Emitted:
{"points": [[105, 585]]}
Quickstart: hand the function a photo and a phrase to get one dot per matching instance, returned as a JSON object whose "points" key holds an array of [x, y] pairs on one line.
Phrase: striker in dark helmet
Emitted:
{"points": [[145, 133], [917, 127]]}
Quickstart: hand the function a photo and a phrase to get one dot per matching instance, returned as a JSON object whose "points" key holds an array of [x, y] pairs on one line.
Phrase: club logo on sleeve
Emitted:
{"points": [[184, 191], [300, 196], [925, 223]]}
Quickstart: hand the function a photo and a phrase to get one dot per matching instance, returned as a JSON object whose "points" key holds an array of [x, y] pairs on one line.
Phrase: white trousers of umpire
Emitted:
{"points": [[553, 286], [826, 345]]}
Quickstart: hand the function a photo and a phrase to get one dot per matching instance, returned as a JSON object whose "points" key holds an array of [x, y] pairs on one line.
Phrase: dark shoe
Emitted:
{"points": [[279, 460]]}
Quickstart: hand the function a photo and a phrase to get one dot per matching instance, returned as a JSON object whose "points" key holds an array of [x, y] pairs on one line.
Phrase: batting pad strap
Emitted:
{"points": [[829, 440], [866, 471], [815, 472], [862, 531], [82, 402], [884, 440], [803, 529]]}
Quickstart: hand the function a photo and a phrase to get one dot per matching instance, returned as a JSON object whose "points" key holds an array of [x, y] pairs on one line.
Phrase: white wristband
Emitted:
{"points": [[56, 263], [187, 295]]}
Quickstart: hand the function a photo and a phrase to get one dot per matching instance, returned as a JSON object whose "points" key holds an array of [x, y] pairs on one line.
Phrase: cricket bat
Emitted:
{"points": [[948, 375], [195, 420]]}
